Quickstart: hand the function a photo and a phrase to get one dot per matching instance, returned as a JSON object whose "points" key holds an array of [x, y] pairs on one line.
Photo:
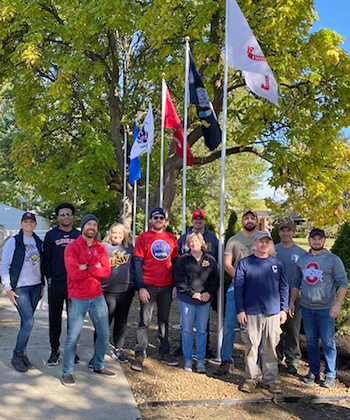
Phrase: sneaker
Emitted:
{"points": [[29, 365], [328, 382], [91, 363], [137, 364], [223, 369], [68, 380], [200, 366], [105, 372], [76, 359], [18, 363], [292, 370], [248, 386], [310, 377], [121, 356], [188, 366], [274, 388], [54, 358], [168, 359]]}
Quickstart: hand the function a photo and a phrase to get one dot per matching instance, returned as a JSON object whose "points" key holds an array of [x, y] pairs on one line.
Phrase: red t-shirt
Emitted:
{"points": [[157, 250]]}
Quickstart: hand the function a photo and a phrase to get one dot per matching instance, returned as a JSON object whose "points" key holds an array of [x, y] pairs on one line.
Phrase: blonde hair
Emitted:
{"points": [[125, 232], [191, 235]]}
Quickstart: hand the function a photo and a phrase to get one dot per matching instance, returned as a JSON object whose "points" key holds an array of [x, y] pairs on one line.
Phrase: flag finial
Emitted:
{"points": [[187, 38]]}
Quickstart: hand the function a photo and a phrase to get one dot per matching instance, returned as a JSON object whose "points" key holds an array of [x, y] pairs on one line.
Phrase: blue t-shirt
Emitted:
{"points": [[261, 286]]}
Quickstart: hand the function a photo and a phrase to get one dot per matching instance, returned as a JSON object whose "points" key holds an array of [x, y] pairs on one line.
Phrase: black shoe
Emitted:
{"points": [[137, 364], [178, 352], [68, 380], [310, 377], [91, 363], [18, 363], [168, 359], [29, 365], [121, 356], [223, 369], [292, 370], [105, 372], [76, 359], [54, 358]]}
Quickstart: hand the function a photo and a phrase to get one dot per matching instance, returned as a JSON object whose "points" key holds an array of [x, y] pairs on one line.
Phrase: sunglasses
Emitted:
{"points": [[66, 214], [158, 217]]}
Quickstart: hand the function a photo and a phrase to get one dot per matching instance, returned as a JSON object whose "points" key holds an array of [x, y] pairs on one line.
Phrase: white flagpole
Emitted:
{"points": [[161, 182], [147, 190], [222, 195], [134, 215], [125, 159], [184, 148]]}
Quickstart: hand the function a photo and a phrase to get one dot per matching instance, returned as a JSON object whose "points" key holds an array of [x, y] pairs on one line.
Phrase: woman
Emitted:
{"points": [[119, 288], [23, 280], [197, 280]]}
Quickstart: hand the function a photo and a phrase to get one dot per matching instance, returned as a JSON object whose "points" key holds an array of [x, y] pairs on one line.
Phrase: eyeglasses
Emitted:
{"points": [[158, 217], [66, 214]]}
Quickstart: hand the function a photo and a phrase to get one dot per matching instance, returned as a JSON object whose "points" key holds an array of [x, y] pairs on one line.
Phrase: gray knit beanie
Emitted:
{"points": [[87, 218]]}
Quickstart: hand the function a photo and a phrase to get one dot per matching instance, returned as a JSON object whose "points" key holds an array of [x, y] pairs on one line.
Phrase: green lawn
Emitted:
{"points": [[303, 242]]}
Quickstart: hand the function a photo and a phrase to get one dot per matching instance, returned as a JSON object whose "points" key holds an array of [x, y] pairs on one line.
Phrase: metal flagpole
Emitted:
{"points": [[222, 195], [134, 215], [147, 189], [125, 159], [184, 147], [161, 182]]}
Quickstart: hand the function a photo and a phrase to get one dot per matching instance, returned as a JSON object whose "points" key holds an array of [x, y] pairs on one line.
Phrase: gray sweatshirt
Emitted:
{"points": [[316, 277]]}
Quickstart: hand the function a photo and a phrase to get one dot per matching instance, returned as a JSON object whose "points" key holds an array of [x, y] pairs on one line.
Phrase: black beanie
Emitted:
{"points": [[87, 218]]}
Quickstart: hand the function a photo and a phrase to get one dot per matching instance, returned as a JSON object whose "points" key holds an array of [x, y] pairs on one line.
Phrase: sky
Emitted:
{"points": [[335, 15]]}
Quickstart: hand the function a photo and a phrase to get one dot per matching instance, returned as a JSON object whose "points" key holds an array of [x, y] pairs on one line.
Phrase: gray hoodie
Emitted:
{"points": [[316, 277]]}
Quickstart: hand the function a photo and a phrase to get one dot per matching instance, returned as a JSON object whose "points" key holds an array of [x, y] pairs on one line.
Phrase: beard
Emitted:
{"points": [[90, 233], [249, 227], [316, 247]]}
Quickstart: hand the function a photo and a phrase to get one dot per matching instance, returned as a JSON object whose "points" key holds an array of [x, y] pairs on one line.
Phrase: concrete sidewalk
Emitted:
{"points": [[39, 394]]}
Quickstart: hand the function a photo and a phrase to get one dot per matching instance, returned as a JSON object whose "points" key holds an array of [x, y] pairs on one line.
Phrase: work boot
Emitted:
{"points": [[223, 369], [27, 363], [18, 363], [248, 385]]}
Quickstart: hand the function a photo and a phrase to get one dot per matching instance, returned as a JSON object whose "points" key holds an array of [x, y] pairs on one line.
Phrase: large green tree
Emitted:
{"points": [[74, 74]]}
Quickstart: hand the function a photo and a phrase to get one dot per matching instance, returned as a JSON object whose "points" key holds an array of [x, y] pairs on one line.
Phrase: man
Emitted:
{"points": [[288, 252], [55, 243], [199, 226], [86, 262], [317, 274], [154, 255], [238, 246], [262, 303]]}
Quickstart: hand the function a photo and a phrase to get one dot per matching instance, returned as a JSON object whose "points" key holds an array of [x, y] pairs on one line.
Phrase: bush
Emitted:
{"points": [[232, 226]]}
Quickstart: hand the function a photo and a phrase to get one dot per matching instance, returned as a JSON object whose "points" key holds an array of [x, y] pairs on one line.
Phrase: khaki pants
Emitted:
{"points": [[263, 329]]}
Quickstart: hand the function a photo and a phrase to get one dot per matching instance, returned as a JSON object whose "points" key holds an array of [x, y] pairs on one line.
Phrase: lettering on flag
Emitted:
{"points": [[144, 141]]}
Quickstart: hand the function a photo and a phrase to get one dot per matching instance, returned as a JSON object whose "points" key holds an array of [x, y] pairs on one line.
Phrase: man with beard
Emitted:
{"points": [[317, 274], [86, 262], [238, 246]]}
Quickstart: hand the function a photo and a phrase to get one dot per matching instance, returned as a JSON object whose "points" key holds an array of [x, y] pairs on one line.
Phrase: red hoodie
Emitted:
{"points": [[85, 284]]}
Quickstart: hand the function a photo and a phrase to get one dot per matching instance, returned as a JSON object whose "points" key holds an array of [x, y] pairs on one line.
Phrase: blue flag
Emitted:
{"points": [[205, 110], [135, 167]]}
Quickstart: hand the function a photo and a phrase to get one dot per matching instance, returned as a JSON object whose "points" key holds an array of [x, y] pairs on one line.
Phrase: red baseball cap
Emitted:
{"points": [[198, 213]]}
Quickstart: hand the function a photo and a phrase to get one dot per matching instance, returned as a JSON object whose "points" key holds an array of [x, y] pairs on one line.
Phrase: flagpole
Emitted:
{"points": [[222, 195], [147, 190], [161, 182], [134, 215], [124, 190], [184, 148]]}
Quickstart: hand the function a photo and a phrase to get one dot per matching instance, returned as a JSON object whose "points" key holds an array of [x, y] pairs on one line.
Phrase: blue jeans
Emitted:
{"points": [[29, 297], [318, 323], [229, 325], [194, 315], [98, 312]]}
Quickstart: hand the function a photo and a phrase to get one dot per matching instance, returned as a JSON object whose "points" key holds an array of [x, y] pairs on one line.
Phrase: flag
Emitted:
{"points": [[134, 168], [171, 120], [205, 110], [245, 54], [144, 141]]}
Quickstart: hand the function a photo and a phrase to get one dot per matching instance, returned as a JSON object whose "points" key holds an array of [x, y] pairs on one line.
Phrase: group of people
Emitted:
{"points": [[272, 289]]}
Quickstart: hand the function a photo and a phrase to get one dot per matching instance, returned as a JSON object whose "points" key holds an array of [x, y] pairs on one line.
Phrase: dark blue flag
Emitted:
{"points": [[135, 168], [205, 110]]}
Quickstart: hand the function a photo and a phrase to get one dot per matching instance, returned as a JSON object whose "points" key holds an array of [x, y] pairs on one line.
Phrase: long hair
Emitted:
{"points": [[109, 234]]}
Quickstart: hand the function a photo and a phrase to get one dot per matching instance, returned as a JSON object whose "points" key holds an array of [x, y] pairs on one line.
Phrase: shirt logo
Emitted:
{"points": [[274, 269], [312, 273], [205, 263], [294, 257], [118, 259], [160, 250]]}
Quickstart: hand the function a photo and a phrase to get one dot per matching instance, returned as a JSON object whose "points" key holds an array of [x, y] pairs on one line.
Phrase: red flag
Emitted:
{"points": [[171, 120]]}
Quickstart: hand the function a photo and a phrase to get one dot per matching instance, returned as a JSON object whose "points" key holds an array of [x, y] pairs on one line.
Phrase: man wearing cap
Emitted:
{"points": [[199, 226], [23, 281], [317, 275], [261, 295], [154, 255], [86, 263], [238, 246], [288, 252], [55, 242]]}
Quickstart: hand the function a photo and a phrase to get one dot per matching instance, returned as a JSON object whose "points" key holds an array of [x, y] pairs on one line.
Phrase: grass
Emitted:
{"points": [[303, 243]]}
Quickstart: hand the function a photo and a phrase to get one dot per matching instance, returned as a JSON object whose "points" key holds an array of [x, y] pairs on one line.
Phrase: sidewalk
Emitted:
{"points": [[39, 394]]}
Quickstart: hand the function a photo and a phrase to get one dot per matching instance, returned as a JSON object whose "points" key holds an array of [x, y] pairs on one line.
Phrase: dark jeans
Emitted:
{"points": [[27, 302], [56, 302], [162, 297]]}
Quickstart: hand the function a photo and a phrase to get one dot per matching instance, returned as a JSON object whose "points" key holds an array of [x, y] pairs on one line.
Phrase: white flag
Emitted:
{"points": [[244, 53], [144, 141]]}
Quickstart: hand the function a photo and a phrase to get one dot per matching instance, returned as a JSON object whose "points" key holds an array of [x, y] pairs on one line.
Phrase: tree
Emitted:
{"points": [[74, 74]]}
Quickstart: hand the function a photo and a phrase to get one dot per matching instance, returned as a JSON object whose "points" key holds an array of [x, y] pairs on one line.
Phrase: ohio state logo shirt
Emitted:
{"points": [[312, 273]]}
